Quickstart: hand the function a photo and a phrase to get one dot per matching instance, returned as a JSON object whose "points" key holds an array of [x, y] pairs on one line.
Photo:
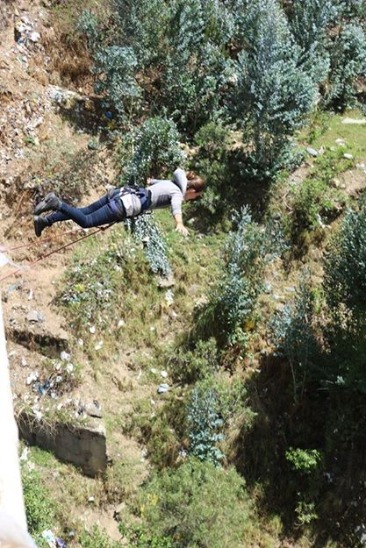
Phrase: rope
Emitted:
{"points": [[35, 243], [32, 263]]}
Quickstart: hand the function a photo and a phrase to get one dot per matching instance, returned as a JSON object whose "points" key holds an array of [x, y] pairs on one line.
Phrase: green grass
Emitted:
{"points": [[329, 128], [110, 287]]}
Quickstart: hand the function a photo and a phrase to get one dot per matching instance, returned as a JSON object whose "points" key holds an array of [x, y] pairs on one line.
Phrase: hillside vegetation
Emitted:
{"points": [[229, 365]]}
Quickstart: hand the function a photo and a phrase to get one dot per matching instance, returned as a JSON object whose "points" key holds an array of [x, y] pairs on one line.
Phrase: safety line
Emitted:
{"points": [[43, 241], [32, 263]]}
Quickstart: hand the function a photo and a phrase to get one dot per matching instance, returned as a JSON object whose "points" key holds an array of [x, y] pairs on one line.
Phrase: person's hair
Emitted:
{"points": [[195, 182]]}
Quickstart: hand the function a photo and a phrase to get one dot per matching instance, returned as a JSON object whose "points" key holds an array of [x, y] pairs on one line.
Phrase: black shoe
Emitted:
{"points": [[40, 223], [50, 201]]}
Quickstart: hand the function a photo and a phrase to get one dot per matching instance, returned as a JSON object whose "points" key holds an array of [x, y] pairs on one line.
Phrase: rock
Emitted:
{"points": [[354, 121], [166, 282], [340, 142], [169, 297], [162, 388], [312, 151], [35, 316], [93, 409], [348, 156]]}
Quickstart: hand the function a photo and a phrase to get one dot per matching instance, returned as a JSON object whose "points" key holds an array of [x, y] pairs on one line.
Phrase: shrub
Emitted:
{"points": [[348, 62], [213, 404], [204, 425], [211, 161], [198, 67], [309, 23], [345, 265], [232, 301], [89, 26], [316, 200], [293, 335], [189, 366], [40, 509], [273, 93], [142, 25], [177, 53], [308, 467], [304, 461], [151, 149], [146, 231], [196, 505], [116, 66]]}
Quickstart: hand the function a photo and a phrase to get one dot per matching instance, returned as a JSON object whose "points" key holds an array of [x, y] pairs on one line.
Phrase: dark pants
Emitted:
{"points": [[108, 209]]}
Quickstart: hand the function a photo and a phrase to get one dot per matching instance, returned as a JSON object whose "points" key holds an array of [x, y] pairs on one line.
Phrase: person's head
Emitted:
{"points": [[195, 186]]}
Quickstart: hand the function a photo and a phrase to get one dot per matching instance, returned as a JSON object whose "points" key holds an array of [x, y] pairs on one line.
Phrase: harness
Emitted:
{"points": [[129, 201]]}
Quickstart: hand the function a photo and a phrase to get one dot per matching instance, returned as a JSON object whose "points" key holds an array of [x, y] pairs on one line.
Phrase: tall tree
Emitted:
{"points": [[274, 92]]}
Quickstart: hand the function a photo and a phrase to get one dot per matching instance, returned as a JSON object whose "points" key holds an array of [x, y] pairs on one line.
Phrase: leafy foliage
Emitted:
{"points": [[141, 25], [150, 149], [182, 505], [345, 266], [204, 425], [189, 366], [274, 93], [211, 161], [147, 232], [232, 301], [304, 460], [116, 67], [212, 405], [348, 62], [293, 335], [40, 509], [198, 66], [309, 22], [316, 201]]}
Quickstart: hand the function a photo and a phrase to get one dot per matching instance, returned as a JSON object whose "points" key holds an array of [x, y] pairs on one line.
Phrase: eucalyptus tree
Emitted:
{"points": [[274, 92]]}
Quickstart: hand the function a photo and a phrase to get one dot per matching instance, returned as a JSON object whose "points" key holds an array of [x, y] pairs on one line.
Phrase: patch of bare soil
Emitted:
{"points": [[34, 139]]}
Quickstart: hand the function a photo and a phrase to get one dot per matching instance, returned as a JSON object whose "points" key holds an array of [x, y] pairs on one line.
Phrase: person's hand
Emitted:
{"points": [[182, 230]]}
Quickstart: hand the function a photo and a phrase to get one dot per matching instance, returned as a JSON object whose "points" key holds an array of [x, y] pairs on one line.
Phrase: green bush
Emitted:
{"points": [[40, 508], [204, 425], [348, 62], [316, 201], [211, 161], [147, 232], [196, 505], [213, 403], [233, 299], [309, 22], [304, 460], [294, 337], [96, 539], [116, 66], [152, 149], [274, 93], [189, 366], [345, 265]]}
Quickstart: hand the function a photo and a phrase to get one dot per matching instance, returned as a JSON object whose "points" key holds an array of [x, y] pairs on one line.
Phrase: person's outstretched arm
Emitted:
{"points": [[179, 225]]}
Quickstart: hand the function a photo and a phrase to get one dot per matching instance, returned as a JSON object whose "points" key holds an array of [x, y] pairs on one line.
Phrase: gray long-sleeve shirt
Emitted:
{"points": [[165, 193]]}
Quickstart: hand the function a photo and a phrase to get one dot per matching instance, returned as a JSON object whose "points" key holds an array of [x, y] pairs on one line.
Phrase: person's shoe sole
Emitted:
{"points": [[50, 201], [39, 225]]}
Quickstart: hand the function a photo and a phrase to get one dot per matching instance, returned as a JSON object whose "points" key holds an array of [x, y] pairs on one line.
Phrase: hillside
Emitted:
{"points": [[37, 142], [108, 359]]}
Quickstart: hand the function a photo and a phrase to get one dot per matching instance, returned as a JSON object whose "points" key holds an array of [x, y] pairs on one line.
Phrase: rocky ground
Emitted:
{"points": [[35, 138]]}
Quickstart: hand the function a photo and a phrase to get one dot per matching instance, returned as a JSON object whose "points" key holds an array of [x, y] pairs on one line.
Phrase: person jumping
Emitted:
{"points": [[123, 203]]}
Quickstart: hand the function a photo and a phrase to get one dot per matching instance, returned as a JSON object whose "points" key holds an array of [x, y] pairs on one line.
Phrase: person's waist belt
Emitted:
{"points": [[129, 202]]}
